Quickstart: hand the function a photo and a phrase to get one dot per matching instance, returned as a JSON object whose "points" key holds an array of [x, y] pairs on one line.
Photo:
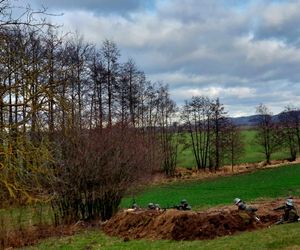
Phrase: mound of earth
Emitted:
{"points": [[191, 225]]}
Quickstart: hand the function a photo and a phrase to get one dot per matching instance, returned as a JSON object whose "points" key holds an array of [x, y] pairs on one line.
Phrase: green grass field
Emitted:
{"points": [[277, 237], [262, 184], [267, 183], [253, 153]]}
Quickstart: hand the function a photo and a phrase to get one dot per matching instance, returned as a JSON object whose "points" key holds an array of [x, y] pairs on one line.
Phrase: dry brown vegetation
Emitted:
{"points": [[182, 173]]}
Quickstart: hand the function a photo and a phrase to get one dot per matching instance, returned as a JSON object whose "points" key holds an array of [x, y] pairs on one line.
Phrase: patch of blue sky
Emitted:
{"points": [[150, 5], [244, 4], [240, 5]]}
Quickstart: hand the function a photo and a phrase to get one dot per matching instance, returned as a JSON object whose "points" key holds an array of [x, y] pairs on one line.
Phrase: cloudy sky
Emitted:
{"points": [[244, 51]]}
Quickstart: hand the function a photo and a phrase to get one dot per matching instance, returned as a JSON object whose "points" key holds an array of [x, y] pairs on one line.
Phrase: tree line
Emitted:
{"points": [[213, 137], [78, 127], [277, 134], [215, 140]]}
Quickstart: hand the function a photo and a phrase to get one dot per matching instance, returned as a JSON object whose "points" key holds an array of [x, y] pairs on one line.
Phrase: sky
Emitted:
{"points": [[245, 52]]}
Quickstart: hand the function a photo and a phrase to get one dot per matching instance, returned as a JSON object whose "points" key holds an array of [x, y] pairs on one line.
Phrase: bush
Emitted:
{"points": [[95, 171]]}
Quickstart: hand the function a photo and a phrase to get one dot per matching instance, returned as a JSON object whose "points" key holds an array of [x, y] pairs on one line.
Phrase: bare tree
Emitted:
{"points": [[62, 87], [219, 124], [167, 131], [14, 15], [207, 125], [97, 72], [266, 132], [110, 55], [234, 143], [196, 116], [129, 91], [289, 130], [100, 166]]}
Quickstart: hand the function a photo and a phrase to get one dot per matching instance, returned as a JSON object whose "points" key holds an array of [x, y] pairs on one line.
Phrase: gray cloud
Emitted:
{"points": [[104, 7], [247, 52], [279, 20]]}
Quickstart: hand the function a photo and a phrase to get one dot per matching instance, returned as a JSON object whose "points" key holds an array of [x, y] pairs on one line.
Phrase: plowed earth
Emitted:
{"points": [[191, 225]]}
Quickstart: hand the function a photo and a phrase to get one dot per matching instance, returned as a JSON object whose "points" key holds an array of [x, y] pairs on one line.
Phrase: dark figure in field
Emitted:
{"points": [[246, 212], [153, 206], [135, 206], [290, 212], [184, 205]]}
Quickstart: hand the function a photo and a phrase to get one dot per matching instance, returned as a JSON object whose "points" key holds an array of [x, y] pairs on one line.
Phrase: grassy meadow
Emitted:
{"points": [[261, 184], [268, 183], [265, 183], [253, 153], [277, 237]]}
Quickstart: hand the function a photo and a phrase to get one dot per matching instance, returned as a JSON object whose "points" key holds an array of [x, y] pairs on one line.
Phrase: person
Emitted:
{"points": [[153, 206], [290, 212], [135, 206], [244, 209], [184, 205]]}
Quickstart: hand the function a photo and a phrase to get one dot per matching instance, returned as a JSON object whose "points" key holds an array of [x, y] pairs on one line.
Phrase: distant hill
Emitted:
{"points": [[252, 119], [245, 120]]}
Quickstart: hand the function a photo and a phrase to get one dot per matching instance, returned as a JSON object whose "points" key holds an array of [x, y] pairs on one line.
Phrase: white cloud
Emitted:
{"points": [[243, 55], [214, 92], [267, 52], [277, 14]]}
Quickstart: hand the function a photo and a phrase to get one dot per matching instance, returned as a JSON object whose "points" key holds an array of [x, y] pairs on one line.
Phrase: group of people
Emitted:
{"points": [[290, 212], [183, 205]]}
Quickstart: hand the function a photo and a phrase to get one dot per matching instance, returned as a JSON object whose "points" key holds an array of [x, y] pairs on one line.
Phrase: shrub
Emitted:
{"points": [[95, 171]]}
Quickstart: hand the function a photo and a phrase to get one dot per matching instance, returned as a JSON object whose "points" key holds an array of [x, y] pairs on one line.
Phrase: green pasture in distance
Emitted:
{"points": [[267, 183], [277, 237], [253, 153]]}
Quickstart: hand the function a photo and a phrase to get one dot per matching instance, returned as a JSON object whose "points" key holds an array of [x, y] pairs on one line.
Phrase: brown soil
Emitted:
{"points": [[190, 225]]}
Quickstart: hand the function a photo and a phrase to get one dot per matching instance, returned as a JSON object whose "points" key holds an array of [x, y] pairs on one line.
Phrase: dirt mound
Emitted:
{"points": [[189, 225]]}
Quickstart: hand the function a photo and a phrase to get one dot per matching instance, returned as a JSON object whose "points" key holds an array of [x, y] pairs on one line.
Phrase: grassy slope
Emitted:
{"points": [[276, 182], [253, 153], [276, 237], [282, 181]]}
